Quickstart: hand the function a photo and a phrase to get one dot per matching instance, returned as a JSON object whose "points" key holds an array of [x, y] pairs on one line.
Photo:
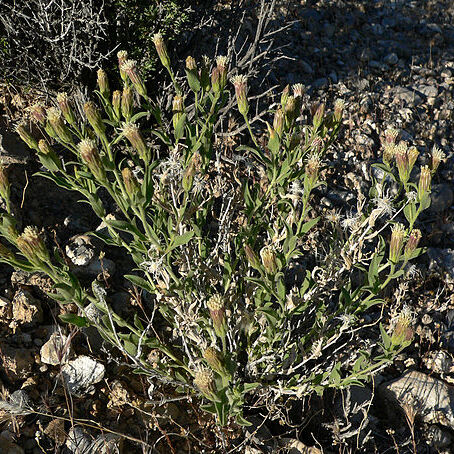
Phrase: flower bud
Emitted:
{"points": [[48, 157], [192, 74], [436, 158], [191, 170], [221, 62], [317, 120], [58, 125], [204, 380], [412, 155], [90, 156], [94, 118], [269, 262], [403, 166], [5, 187], [311, 171], [284, 96], [38, 114], [27, 137], [391, 135], [130, 68], [132, 133], [44, 147], [127, 103], [205, 73], [103, 84], [339, 106], [403, 333], [290, 111], [388, 153], [251, 257], [131, 184], [216, 307], [412, 243], [65, 107], [240, 83], [215, 360], [215, 80], [32, 246], [178, 110], [122, 57], [116, 104], [279, 122], [397, 239], [425, 179], [161, 49]]}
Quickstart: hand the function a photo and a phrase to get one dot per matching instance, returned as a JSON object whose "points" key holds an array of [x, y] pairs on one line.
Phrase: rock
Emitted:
{"points": [[442, 197], [320, 83], [56, 350], [441, 260], [78, 441], [6, 309], [16, 362], [82, 372], [409, 96], [391, 59], [430, 91], [21, 400], [440, 362], [439, 438], [26, 309], [428, 397]]}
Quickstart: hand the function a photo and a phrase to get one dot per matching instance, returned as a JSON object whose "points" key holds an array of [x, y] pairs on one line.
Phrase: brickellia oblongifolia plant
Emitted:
{"points": [[240, 305]]}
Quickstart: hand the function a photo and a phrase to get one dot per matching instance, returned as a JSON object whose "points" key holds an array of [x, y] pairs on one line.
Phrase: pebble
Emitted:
{"points": [[391, 59], [26, 309], [409, 96], [439, 362], [430, 91], [56, 350], [82, 372]]}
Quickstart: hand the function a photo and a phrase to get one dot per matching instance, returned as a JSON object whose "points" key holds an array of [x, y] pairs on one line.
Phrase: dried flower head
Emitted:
{"points": [[268, 256], [240, 84], [103, 83], [436, 157], [32, 246], [391, 135], [204, 380], [94, 118], [38, 114], [132, 133], [298, 90], [90, 156], [130, 68], [54, 116], [216, 306]]}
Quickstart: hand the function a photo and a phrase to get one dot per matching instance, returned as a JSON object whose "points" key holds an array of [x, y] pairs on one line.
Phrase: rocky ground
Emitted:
{"points": [[393, 64]]}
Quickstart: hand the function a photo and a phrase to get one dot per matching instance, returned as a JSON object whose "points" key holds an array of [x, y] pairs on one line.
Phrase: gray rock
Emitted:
{"points": [[26, 309], [82, 372], [430, 398], [320, 83], [440, 362], [442, 260], [431, 91], [107, 444], [391, 59], [78, 441], [442, 197], [306, 67], [56, 350], [408, 96]]}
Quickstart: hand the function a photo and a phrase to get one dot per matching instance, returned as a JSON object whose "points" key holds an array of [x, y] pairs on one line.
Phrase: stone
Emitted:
{"points": [[26, 309], [16, 362], [391, 59], [56, 350], [442, 260], [320, 83], [430, 398], [440, 362], [7, 444], [407, 95], [430, 91], [442, 198], [81, 373], [78, 441], [439, 438]]}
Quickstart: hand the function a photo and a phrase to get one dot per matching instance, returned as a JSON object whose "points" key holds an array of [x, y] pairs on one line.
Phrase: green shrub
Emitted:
{"points": [[241, 304]]}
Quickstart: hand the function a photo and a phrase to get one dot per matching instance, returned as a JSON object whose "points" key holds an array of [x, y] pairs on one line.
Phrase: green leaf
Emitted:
{"points": [[180, 240], [385, 337], [308, 225], [139, 282], [241, 421], [179, 129], [74, 319]]}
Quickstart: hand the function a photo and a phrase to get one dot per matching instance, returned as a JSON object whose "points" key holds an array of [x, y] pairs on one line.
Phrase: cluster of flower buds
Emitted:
{"points": [[240, 84], [32, 246], [216, 306], [204, 380], [405, 160]]}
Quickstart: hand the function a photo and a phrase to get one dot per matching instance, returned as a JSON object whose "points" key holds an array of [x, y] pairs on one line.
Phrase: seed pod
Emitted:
{"points": [[27, 137], [116, 104], [269, 262], [216, 307], [397, 239], [130, 68], [90, 156], [240, 84], [32, 246], [58, 125], [103, 83], [161, 49], [204, 380], [122, 56], [127, 103], [65, 107], [94, 118], [132, 133]]}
